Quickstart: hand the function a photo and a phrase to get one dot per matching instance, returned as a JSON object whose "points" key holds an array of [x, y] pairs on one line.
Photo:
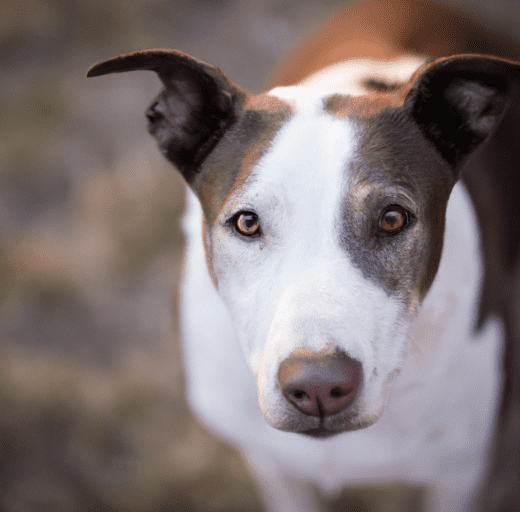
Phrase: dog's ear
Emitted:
{"points": [[457, 101], [193, 111]]}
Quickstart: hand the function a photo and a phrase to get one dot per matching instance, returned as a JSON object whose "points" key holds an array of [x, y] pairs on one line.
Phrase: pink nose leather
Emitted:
{"points": [[319, 385]]}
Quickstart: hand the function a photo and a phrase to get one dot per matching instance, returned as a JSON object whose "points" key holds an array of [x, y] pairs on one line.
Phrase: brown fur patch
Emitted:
{"points": [[268, 103], [206, 252], [342, 106], [395, 165]]}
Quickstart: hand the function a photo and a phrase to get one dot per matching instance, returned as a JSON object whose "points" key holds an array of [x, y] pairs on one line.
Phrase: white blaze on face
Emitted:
{"points": [[295, 288]]}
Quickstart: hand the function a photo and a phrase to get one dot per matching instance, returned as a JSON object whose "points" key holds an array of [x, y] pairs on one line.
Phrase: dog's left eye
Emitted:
{"points": [[394, 219], [247, 223]]}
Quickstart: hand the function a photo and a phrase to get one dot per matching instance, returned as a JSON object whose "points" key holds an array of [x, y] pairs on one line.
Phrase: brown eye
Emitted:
{"points": [[393, 219], [247, 224]]}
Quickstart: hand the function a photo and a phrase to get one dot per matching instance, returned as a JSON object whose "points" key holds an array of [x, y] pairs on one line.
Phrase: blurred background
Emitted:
{"points": [[92, 408]]}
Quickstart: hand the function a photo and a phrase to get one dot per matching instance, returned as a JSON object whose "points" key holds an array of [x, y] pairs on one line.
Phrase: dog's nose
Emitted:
{"points": [[319, 385]]}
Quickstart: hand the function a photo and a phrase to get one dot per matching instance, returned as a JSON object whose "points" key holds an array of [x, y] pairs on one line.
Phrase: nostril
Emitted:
{"points": [[338, 392], [303, 400]]}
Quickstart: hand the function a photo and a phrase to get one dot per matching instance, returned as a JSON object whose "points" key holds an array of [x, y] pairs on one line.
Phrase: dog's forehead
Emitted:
{"points": [[294, 128]]}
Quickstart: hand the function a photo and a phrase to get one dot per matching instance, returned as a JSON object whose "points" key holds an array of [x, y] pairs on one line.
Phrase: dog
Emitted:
{"points": [[333, 265]]}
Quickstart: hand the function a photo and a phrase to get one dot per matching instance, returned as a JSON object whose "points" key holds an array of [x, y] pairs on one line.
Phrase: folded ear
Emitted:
{"points": [[194, 110], [457, 101]]}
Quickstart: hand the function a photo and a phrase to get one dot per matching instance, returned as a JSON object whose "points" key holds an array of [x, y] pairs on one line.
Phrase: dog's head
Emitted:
{"points": [[323, 217]]}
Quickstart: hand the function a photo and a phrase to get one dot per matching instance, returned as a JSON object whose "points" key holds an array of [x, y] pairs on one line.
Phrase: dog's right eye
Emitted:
{"points": [[247, 223]]}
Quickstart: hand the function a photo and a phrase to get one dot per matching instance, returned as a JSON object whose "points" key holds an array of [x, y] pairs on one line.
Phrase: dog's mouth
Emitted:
{"points": [[319, 433], [322, 432]]}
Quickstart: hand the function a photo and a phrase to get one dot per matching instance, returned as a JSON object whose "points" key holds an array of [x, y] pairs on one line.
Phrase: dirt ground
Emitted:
{"points": [[93, 415]]}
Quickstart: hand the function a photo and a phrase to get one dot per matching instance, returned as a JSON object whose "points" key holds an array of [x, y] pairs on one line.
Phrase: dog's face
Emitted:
{"points": [[324, 244], [323, 219]]}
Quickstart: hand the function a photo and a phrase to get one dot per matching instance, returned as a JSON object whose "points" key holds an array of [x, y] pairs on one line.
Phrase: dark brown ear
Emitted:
{"points": [[457, 101], [194, 110]]}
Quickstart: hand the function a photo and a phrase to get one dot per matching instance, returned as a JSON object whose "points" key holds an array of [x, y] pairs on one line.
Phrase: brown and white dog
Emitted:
{"points": [[333, 266]]}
